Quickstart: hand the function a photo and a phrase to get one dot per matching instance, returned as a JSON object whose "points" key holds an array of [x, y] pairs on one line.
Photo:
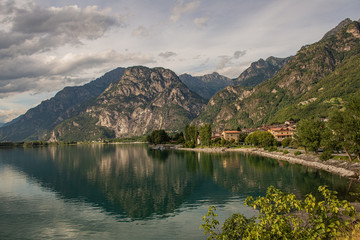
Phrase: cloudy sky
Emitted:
{"points": [[46, 45]]}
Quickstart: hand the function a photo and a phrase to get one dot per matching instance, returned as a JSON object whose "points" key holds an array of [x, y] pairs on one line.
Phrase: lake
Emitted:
{"points": [[128, 191]]}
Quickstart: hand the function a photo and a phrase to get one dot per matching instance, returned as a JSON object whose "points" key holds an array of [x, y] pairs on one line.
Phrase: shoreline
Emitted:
{"points": [[345, 169]]}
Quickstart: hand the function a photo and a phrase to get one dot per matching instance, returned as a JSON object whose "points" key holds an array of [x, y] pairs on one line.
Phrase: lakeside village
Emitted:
{"points": [[279, 131]]}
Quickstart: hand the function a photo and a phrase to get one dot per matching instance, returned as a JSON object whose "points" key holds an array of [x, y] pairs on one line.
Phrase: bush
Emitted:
{"points": [[285, 152], [277, 221], [189, 144], [271, 149], [325, 156], [286, 142], [297, 153]]}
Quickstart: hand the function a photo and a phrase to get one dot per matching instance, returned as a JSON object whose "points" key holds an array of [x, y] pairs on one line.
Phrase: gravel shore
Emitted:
{"points": [[343, 168]]}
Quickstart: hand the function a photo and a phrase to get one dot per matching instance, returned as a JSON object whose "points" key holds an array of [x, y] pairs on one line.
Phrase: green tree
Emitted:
{"points": [[158, 137], [191, 134], [286, 141], [179, 138], [205, 135], [260, 139], [346, 127], [277, 221], [310, 134]]}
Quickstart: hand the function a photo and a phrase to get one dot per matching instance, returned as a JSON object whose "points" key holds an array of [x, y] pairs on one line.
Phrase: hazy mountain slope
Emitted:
{"points": [[144, 99], [303, 72], [69, 102], [207, 85]]}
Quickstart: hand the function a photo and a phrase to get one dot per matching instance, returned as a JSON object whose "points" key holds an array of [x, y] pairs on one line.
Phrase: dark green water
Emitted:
{"points": [[131, 192]]}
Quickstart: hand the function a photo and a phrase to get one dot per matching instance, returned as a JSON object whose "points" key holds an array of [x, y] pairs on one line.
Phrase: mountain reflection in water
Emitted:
{"points": [[133, 182]]}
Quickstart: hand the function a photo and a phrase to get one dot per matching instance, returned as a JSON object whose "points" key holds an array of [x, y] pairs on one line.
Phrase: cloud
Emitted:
{"points": [[182, 8], [226, 64], [53, 73], [32, 29], [141, 31], [201, 22], [167, 54], [31, 34], [238, 54], [6, 115]]}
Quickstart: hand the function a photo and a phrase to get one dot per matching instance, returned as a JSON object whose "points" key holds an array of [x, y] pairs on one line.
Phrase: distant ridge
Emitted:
{"points": [[70, 101], [207, 85], [260, 71]]}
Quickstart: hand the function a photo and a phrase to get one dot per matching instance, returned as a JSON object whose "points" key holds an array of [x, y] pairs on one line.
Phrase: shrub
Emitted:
{"points": [[286, 142], [285, 152], [325, 156], [271, 149], [189, 144], [276, 221], [297, 153]]}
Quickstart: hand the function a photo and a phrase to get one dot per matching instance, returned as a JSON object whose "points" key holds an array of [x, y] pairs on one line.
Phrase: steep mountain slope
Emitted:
{"points": [[328, 94], [260, 71], [207, 85], [305, 72], [144, 99], [69, 102]]}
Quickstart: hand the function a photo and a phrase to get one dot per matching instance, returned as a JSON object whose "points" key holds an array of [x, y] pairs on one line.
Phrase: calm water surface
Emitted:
{"points": [[132, 192]]}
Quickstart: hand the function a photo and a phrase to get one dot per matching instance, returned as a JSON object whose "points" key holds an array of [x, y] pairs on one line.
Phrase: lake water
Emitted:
{"points": [[132, 192]]}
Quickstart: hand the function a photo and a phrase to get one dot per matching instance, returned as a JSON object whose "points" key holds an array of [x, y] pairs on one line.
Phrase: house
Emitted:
{"points": [[281, 132], [215, 135], [230, 135]]}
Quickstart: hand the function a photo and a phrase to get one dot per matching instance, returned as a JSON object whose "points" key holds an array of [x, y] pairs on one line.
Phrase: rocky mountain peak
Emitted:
{"points": [[260, 71], [336, 29], [144, 99]]}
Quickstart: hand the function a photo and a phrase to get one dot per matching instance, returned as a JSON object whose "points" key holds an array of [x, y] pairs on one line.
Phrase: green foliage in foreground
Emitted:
{"points": [[278, 218]]}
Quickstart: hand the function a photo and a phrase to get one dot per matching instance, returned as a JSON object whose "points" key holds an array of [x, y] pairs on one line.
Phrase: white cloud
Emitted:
{"points": [[167, 54], [201, 22], [183, 8], [238, 54], [9, 114], [141, 31]]}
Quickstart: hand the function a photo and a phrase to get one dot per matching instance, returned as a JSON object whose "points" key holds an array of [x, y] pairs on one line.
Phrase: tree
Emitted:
{"points": [[346, 127], [260, 139], [157, 137], [205, 135], [309, 134], [286, 141], [179, 138], [191, 134], [276, 221]]}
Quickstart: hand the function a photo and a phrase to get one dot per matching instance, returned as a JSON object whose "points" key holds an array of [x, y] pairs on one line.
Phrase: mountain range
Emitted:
{"points": [[134, 101]]}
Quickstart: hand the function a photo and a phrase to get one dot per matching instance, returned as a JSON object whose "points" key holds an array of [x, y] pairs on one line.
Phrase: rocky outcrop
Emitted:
{"points": [[260, 71], [142, 100]]}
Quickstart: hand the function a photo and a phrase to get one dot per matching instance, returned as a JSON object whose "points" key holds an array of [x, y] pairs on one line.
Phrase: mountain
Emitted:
{"points": [[336, 29], [207, 85], [319, 78], [69, 102], [142, 100], [260, 71]]}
